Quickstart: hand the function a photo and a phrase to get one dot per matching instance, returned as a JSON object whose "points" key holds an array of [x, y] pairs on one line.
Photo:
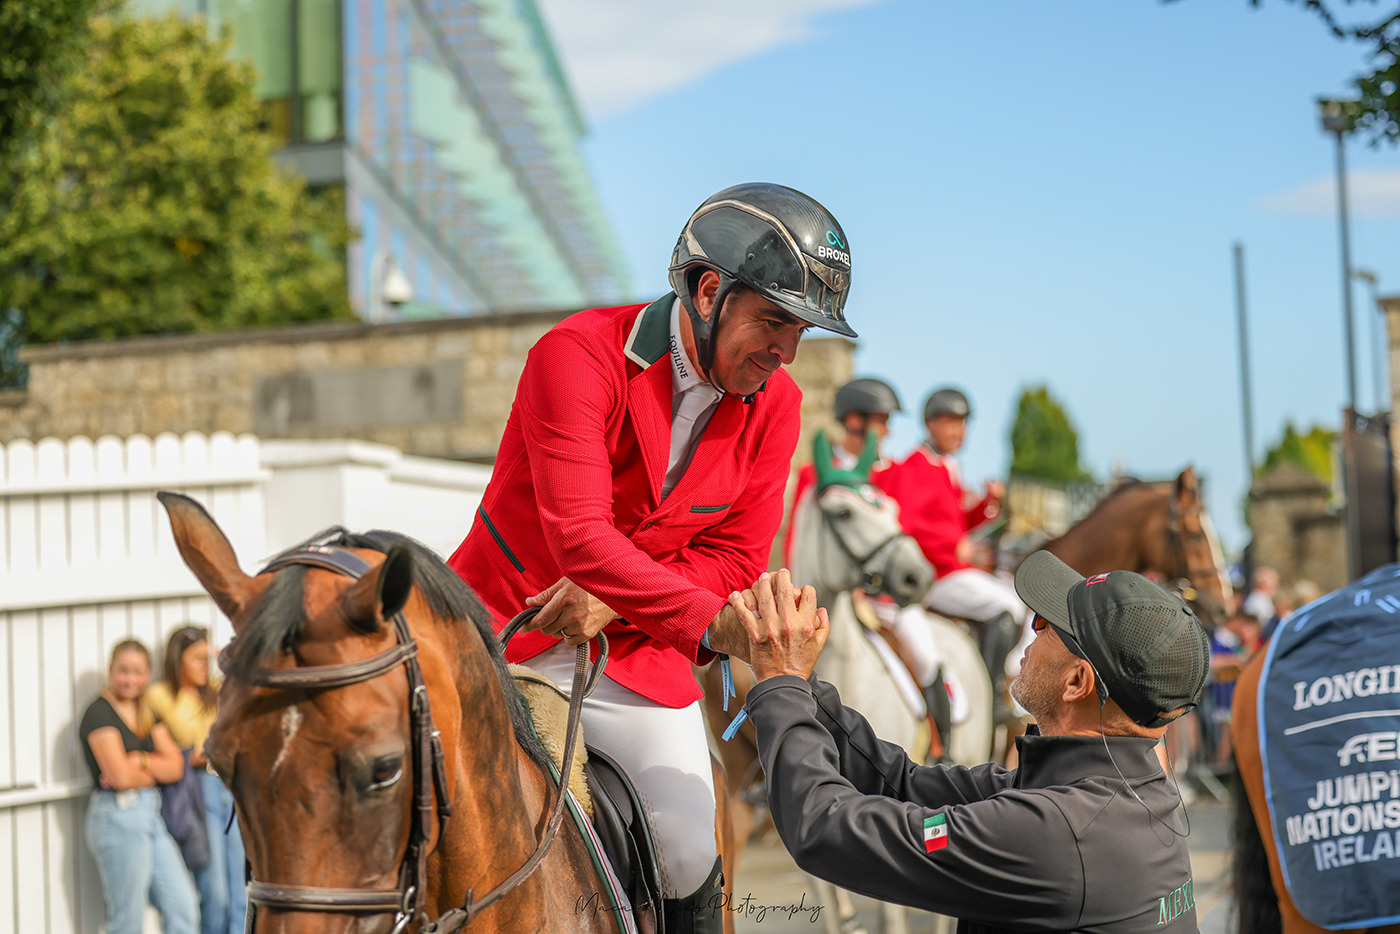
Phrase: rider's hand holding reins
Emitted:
{"points": [[787, 632], [569, 612]]}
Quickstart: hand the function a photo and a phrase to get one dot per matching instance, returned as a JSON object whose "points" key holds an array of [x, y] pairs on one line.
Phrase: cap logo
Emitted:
{"points": [[1096, 579], [834, 240]]}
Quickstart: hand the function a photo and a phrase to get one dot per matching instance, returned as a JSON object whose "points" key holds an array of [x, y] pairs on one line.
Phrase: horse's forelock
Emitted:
{"points": [[274, 623]]}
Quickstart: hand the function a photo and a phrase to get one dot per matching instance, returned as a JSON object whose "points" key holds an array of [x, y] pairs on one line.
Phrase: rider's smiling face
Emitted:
{"points": [[753, 339]]}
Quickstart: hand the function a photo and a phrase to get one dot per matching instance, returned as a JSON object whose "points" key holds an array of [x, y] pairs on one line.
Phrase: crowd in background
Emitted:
{"points": [[1259, 610], [160, 823]]}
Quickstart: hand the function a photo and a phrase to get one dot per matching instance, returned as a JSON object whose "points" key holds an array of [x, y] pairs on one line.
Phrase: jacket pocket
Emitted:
{"points": [[720, 508]]}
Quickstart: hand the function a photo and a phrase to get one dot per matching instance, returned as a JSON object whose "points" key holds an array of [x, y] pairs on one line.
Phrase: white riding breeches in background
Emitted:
{"points": [[976, 595], [666, 753], [910, 627]]}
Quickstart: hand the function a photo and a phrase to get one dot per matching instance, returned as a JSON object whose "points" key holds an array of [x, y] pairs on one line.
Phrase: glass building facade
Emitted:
{"points": [[454, 135]]}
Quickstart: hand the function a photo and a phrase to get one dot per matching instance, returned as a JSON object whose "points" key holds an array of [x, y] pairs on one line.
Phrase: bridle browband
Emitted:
{"points": [[406, 901]]}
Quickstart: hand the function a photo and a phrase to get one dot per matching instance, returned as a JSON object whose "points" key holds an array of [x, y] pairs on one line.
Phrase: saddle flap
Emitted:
{"points": [[625, 833]]}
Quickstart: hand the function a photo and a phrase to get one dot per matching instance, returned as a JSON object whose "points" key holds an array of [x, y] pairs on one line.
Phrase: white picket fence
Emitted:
{"points": [[87, 559]]}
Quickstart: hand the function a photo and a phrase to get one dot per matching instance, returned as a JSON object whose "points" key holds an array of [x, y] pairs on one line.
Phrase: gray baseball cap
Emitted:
{"points": [[1148, 649]]}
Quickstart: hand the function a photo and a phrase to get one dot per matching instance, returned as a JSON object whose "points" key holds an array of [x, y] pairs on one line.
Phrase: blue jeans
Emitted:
{"points": [[137, 859], [223, 902]]}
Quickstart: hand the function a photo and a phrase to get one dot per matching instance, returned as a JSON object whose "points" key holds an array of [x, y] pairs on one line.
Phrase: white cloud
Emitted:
{"points": [[619, 53], [1371, 193]]}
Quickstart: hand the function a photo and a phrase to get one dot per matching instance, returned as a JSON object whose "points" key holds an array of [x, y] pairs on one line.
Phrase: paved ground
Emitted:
{"points": [[767, 877]]}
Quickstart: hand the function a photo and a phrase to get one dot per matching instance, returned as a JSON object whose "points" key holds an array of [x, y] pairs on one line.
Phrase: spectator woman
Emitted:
{"points": [[186, 701], [128, 753]]}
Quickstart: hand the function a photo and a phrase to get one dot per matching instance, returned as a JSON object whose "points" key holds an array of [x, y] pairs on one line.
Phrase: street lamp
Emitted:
{"points": [[388, 286], [1377, 336], [1339, 118]]}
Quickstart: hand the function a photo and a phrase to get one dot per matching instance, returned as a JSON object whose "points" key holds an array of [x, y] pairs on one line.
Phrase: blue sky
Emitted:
{"points": [[1034, 191]]}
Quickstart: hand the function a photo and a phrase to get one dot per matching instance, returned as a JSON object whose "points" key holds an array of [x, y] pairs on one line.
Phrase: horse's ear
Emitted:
{"points": [[207, 552], [868, 457], [1186, 483], [821, 459], [382, 592]]}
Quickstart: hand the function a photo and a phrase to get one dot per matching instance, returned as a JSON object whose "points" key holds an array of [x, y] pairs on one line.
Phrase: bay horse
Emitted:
{"points": [[347, 736], [1154, 527]]}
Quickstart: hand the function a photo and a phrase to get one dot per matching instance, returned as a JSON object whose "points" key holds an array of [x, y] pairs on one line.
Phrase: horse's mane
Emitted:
{"points": [[276, 621]]}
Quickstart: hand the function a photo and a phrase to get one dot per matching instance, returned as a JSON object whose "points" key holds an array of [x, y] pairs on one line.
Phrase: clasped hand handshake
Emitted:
{"points": [[774, 626]]}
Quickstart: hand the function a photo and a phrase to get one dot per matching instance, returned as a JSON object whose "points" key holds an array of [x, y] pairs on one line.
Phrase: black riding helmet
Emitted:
{"points": [[866, 395], [775, 240], [947, 401]]}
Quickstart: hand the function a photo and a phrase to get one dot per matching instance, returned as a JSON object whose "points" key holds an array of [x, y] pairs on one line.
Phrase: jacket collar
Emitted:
{"points": [[1062, 760], [650, 339]]}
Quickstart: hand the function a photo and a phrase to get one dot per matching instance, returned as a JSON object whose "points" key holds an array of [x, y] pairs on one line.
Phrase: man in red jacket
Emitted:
{"points": [[936, 511], [640, 482]]}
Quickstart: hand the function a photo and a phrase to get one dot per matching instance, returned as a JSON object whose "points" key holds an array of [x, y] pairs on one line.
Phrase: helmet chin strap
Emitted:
{"points": [[704, 332]]}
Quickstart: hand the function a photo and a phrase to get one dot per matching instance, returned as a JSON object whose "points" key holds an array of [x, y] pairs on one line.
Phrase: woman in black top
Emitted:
{"points": [[128, 753]]}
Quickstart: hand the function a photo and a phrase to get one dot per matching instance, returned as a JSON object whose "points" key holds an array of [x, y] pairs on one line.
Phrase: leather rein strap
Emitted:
{"points": [[406, 901]]}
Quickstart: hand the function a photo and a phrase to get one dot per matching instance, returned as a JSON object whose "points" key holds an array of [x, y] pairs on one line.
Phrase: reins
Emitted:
{"points": [[406, 902]]}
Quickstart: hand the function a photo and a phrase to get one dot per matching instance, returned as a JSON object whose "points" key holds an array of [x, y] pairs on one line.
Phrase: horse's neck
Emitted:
{"points": [[1109, 538], [500, 796]]}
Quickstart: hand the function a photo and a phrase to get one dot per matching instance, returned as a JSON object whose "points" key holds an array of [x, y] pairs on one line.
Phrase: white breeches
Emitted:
{"points": [[910, 627], [976, 595], [665, 751]]}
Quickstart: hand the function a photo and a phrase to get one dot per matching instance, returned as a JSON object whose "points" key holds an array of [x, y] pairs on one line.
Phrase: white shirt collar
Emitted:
{"points": [[685, 375]]}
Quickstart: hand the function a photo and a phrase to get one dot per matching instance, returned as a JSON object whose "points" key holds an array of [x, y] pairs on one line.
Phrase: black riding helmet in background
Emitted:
{"points": [[946, 401], [775, 240], [868, 396]]}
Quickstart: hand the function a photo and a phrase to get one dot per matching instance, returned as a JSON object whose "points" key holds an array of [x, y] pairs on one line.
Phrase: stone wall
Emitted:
{"points": [[1296, 531], [439, 388]]}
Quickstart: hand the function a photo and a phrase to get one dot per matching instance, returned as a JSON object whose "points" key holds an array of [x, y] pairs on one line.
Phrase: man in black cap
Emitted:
{"points": [[1081, 837]]}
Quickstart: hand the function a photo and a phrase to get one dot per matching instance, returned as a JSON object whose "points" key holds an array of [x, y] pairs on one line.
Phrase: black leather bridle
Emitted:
{"points": [[406, 901], [872, 581]]}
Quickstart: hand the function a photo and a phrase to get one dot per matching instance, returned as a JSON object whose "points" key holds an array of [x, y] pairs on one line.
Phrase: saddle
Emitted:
{"points": [[605, 794]]}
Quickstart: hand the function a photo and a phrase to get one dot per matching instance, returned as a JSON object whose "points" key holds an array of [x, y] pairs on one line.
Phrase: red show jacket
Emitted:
{"points": [[931, 507], [576, 493]]}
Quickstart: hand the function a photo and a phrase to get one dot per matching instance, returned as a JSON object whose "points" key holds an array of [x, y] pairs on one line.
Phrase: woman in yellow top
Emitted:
{"points": [[186, 701]]}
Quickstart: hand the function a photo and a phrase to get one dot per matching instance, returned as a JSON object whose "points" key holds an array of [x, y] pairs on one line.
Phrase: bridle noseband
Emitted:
{"points": [[406, 901]]}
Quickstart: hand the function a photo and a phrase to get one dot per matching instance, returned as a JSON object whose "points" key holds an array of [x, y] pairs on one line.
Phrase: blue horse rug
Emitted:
{"points": [[1329, 736]]}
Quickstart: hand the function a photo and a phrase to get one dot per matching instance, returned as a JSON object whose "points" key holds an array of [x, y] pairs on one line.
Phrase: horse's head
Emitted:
{"points": [[1190, 553], [340, 670], [848, 535]]}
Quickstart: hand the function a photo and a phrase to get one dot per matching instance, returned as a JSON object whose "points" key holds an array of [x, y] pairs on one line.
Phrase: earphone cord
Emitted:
{"points": [[1172, 783]]}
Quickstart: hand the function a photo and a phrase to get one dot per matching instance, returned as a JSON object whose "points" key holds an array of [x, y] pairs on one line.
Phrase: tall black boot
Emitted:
{"points": [[999, 636], [940, 708], [700, 912]]}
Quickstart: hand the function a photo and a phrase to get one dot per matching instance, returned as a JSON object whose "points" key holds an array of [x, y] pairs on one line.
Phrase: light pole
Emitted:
{"points": [[1338, 117], [1378, 370]]}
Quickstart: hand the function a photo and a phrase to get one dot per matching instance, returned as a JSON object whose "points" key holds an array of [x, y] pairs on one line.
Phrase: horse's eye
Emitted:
{"points": [[843, 513], [386, 772]]}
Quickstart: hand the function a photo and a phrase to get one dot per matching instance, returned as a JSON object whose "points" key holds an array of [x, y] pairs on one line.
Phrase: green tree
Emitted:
{"points": [[1044, 445], [152, 204], [41, 42], [1311, 451]]}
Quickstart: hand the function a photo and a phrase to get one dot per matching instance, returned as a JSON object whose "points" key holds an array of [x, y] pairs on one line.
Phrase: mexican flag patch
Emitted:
{"points": [[935, 833]]}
